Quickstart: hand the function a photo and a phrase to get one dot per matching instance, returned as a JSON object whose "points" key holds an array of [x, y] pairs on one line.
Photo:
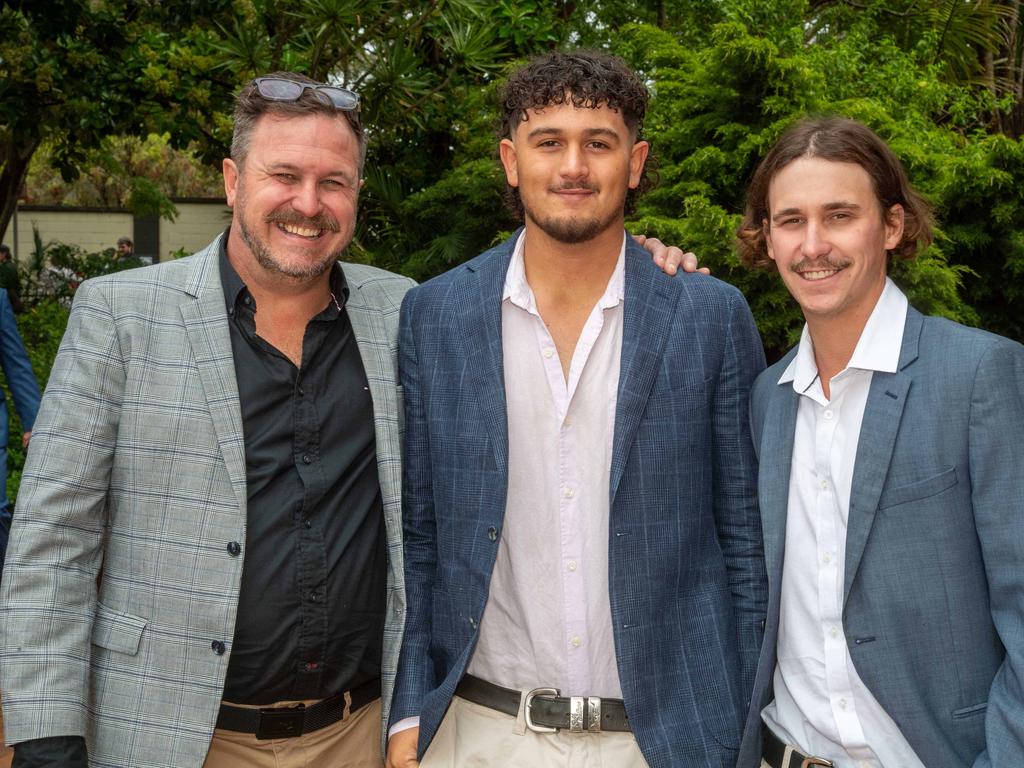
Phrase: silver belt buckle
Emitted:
{"points": [[594, 714], [530, 696]]}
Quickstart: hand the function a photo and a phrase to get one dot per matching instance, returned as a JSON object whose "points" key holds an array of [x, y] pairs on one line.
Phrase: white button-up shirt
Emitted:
{"points": [[548, 616], [821, 705]]}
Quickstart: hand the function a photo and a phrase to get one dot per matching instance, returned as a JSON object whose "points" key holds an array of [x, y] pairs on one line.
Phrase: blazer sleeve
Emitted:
{"points": [[48, 594], [737, 516], [996, 455], [16, 365], [418, 527]]}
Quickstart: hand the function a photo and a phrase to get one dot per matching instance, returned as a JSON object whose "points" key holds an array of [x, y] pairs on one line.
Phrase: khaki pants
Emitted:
{"points": [[352, 742], [473, 736]]}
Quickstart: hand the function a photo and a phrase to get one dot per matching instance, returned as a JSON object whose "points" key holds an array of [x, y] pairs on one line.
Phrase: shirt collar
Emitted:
{"points": [[518, 291], [235, 290], [878, 348]]}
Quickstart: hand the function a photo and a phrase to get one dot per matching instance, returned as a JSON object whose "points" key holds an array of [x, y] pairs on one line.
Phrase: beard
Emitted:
{"points": [[573, 230], [266, 258]]}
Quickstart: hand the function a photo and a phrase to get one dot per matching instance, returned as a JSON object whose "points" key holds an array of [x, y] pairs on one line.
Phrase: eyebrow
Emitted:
{"points": [[838, 205], [589, 132]]}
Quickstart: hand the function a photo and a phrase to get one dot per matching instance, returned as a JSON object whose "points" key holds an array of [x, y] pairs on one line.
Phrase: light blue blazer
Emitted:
{"points": [[934, 586]]}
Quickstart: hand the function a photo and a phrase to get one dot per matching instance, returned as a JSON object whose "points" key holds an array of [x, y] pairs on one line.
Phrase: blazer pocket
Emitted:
{"points": [[977, 709], [117, 631], [921, 489]]}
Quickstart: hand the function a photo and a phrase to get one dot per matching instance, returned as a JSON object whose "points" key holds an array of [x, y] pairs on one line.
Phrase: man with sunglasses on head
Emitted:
{"points": [[206, 568]]}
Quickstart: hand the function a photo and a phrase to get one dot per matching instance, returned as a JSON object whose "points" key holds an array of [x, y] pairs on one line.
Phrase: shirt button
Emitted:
{"points": [[569, 493], [576, 641], [492, 533], [833, 631], [842, 703], [567, 422], [824, 484], [472, 622], [302, 392], [314, 597], [312, 666], [549, 352], [827, 558], [307, 459], [307, 522], [234, 548], [218, 647], [828, 414], [572, 565]]}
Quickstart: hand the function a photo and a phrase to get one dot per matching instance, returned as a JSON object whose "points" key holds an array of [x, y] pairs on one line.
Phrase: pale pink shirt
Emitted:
{"points": [[548, 618], [821, 705]]}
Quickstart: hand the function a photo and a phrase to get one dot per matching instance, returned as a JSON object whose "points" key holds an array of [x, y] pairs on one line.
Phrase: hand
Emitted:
{"points": [[25, 438], [670, 258], [402, 749]]}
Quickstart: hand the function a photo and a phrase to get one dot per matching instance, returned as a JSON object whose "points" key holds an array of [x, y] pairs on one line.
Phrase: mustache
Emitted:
{"points": [[322, 221], [574, 185], [819, 263]]}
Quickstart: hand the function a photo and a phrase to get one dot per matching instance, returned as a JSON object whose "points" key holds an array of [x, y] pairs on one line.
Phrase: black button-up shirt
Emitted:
{"points": [[313, 595]]}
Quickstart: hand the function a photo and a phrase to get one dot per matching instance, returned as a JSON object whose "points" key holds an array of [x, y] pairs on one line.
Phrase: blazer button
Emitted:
{"points": [[218, 647], [492, 533], [234, 548]]}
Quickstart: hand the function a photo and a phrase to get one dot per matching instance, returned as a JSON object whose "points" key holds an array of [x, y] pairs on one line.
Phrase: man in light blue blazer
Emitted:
{"points": [[582, 545], [25, 392], [891, 449]]}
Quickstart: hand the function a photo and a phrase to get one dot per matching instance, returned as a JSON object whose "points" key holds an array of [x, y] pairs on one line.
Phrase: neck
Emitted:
{"points": [[575, 270], [298, 299]]}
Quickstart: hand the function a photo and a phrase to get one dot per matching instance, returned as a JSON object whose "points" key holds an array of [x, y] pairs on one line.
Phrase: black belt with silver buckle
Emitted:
{"points": [[286, 722], [546, 710], [774, 753]]}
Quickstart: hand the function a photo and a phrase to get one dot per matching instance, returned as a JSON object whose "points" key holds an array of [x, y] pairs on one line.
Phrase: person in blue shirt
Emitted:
{"points": [[25, 390]]}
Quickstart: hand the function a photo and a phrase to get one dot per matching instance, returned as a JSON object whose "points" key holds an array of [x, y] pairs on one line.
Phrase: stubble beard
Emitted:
{"points": [[573, 230], [265, 257]]}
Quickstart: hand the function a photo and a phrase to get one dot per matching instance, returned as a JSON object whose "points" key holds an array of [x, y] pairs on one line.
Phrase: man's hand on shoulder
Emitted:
{"points": [[669, 257], [402, 749], [51, 752]]}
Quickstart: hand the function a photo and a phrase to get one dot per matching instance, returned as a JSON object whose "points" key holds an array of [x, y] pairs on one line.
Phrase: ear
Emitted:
{"points": [[509, 159], [894, 220], [766, 232], [637, 158], [231, 174]]}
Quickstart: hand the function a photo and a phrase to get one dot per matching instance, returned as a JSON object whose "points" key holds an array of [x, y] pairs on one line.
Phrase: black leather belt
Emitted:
{"points": [[286, 722], [546, 710], [774, 753]]}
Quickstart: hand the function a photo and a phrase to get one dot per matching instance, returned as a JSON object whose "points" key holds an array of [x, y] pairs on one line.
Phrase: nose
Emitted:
{"points": [[574, 163], [306, 200], [815, 242]]}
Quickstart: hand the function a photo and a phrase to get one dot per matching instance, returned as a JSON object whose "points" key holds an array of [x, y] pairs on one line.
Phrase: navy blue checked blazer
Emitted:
{"points": [[686, 571]]}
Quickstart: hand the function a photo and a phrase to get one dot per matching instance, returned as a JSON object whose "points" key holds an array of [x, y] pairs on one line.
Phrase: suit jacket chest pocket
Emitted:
{"points": [[917, 490]]}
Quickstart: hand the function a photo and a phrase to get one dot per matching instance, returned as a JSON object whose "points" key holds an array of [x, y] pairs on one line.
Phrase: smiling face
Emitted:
{"points": [[573, 167], [294, 196], [828, 236]]}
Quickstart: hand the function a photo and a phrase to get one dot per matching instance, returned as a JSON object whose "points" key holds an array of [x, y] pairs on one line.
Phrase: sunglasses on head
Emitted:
{"points": [[279, 89]]}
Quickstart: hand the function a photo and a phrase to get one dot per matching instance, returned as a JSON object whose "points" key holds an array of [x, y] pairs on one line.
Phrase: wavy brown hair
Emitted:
{"points": [[585, 79], [839, 140]]}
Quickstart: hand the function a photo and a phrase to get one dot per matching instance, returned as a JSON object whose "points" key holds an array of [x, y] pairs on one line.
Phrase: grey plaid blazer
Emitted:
{"points": [[137, 467]]}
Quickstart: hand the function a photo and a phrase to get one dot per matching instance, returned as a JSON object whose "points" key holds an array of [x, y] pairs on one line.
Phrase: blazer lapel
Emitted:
{"points": [[646, 322], [775, 462], [882, 413], [478, 297], [206, 326]]}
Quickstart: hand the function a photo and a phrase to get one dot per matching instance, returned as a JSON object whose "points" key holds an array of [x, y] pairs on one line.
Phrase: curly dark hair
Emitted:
{"points": [[585, 79], [839, 140]]}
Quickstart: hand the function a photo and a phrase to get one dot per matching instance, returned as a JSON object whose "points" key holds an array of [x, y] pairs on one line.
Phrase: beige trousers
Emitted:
{"points": [[352, 742], [472, 736]]}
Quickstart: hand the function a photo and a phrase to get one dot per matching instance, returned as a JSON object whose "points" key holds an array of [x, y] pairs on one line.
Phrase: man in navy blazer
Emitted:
{"points": [[891, 487], [585, 577], [25, 391]]}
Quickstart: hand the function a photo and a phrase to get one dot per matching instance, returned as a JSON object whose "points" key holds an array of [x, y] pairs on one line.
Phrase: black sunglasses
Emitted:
{"points": [[279, 89]]}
